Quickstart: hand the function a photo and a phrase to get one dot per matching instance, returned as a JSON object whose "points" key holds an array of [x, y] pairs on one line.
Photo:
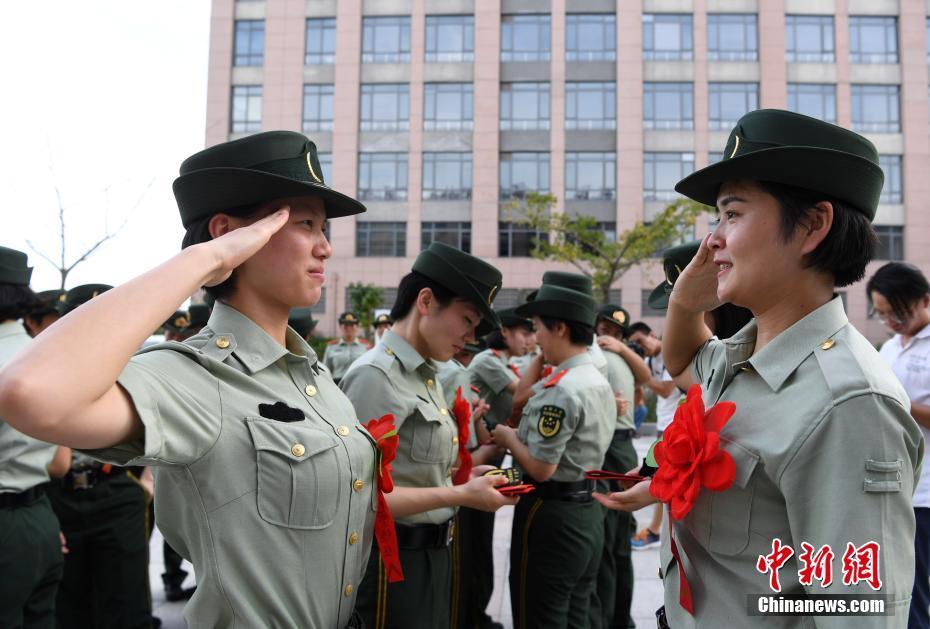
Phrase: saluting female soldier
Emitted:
{"points": [[264, 475], [565, 430], [824, 448]]}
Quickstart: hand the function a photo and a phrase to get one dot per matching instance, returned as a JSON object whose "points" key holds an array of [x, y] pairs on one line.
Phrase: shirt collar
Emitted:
{"points": [[254, 347], [584, 358], [781, 357], [410, 359], [12, 328]]}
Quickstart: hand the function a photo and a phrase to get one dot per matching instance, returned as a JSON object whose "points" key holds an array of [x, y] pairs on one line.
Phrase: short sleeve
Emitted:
{"points": [[702, 363], [179, 404], [492, 373], [553, 420], [372, 394]]}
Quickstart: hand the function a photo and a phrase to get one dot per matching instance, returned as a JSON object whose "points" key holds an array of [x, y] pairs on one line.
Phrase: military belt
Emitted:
{"points": [[424, 536], [10, 500]]}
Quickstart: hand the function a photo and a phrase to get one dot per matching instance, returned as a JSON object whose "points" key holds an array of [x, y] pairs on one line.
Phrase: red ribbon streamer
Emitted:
{"points": [[385, 435], [684, 588], [461, 409]]}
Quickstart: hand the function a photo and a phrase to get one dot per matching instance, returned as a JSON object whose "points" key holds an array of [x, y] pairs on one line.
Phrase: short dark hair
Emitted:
{"points": [[639, 326], [847, 248], [578, 333], [410, 286], [17, 301], [495, 339], [199, 232], [729, 319], [902, 284]]}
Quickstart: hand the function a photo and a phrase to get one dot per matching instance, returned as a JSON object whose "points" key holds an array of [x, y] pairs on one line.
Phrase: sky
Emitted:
{"points": [[103, 100]]}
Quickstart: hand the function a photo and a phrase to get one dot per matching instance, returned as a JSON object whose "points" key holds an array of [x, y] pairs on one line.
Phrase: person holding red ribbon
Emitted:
{"points": [[808, 437]]}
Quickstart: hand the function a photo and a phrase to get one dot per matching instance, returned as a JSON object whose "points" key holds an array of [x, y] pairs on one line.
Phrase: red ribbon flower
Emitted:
{"points": [[689, 454], [461, 409], [384, 433]]}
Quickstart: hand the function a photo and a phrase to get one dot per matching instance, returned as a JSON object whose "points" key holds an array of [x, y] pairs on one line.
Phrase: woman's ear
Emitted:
{"points": [[819, 222], [424, 301], [219, 224]]}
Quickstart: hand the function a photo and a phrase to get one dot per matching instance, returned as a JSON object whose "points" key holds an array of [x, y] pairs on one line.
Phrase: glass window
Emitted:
{"points": [[817, 100], [318, 108], [382, 176], [732, 37], [450, 38], [667, 37], [523, 172], [452, 233], [385, 107], [668, 105], [661, 171], [891, 166], [250, 43], [524, 106], [590, 105], [386, 39], [591, 37], [246, 109], [890, 242], [446, 175], [809, 38], [714, 156], [326, 165], [729, 101], [517, 241], [525, 38], [873, 39], [590, 176], [876, 108], [380, 240], [447, 106], [321, 41]]}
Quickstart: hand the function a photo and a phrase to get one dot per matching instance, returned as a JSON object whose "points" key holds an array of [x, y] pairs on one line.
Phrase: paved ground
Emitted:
{"points": [[647, 595]]}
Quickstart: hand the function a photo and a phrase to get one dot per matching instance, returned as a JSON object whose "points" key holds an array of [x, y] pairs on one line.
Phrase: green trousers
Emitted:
{"points": [[30, 565], [106, 583], [555, 552], [615, 574], [472, 569], [421, 601]]}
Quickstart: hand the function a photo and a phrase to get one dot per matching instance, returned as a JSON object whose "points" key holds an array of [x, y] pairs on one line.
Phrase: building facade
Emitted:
{"points": [[438, 113]]}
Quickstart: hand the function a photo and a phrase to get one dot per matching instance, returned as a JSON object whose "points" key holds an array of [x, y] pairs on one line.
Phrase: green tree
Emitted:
{"points": [[364, 298], [577, 239]]}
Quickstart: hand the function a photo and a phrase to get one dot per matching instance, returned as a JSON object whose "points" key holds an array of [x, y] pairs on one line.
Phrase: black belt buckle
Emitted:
{"points": [[84, 479], [450, 532]]}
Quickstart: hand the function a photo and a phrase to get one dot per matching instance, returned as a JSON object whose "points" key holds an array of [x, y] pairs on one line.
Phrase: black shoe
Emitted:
{"points": [[156, 622], [175, 593]]}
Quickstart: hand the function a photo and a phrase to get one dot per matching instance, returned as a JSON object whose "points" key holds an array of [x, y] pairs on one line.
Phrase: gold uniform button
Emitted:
{"points": [[222, 342], [298, 449], [310, 390], [353, 539], [358, 485], [349, 589], [449, 474], [455, 440], [443, 411], [343, 431], [388, 351], [827, 344], [430, 383]]}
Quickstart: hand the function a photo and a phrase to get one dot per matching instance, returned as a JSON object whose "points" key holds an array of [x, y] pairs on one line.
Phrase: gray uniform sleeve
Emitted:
{"points": [[494, 374], [178, 401], [372, 394], [851, 481], [553, 420]]}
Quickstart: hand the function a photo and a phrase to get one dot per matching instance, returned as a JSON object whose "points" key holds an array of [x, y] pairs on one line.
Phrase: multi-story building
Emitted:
{"points": [[437, 113]]}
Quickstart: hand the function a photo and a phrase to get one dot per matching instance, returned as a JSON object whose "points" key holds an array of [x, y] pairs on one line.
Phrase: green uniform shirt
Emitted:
{"points": [[452, 375], [572, 422], [394, 378], [23, 460], [275, 512], [621, 380], [597, 357], [826, 452], [522, 362], [340, 356], [491, 374]]}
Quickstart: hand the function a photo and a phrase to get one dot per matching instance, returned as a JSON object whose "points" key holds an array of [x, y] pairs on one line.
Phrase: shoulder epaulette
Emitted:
{"points": [[554, 380]]}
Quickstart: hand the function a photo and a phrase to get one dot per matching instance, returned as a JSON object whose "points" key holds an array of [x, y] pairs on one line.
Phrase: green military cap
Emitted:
{"points": [[13, 267], [199, 314], [573, 281], [301, 319], [49, 299], [468, 277], [382, 319], [791, 149], [616, 315], [177, 322], [561, 303], [348, 317], [510, 319], [674, 261], [80, 295], [254, 170]]}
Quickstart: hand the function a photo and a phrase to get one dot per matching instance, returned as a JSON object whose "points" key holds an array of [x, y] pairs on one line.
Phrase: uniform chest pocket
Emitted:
{"points": [[432, 437], [299, 474], [725, 516]]}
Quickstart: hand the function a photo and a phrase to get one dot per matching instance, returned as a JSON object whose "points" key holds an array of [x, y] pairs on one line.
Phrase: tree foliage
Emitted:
{"points": [[363, 299]]}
